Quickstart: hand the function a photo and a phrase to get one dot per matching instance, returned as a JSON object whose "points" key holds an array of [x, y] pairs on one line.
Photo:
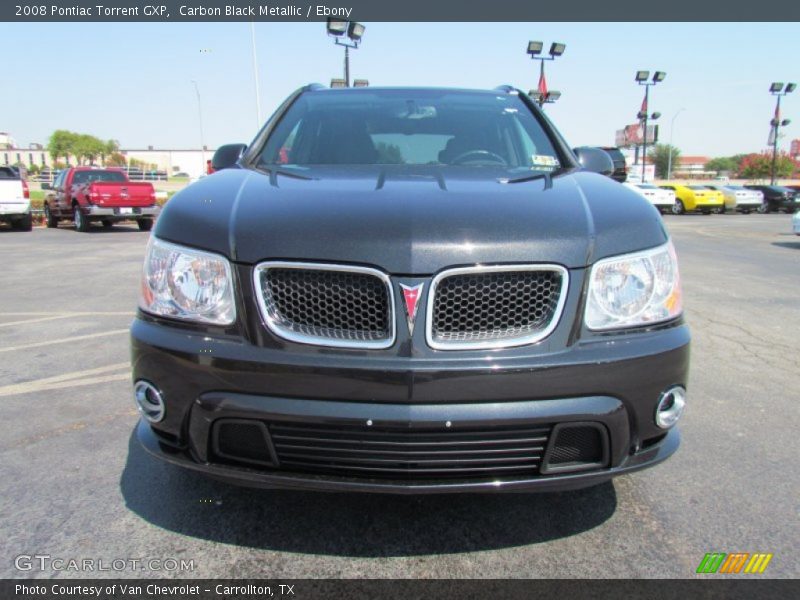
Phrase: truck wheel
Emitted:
{"points": [[51, 221], [107, 223], [145, 224], [678, 208], [81, 222], [24, 224]]}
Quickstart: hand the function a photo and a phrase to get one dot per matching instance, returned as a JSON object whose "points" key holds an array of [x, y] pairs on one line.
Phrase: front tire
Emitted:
{"points": [[81, 222], [764, 208], [145, 224], [678, 208], [107, 223], [51, 221]]}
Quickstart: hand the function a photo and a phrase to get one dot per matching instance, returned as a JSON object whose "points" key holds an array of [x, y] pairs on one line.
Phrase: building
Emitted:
{"points": [[190, 161], [692, 167]]}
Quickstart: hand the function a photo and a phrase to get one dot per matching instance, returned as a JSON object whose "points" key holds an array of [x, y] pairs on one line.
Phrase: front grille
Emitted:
{"points": [[330, 305], [409, 453], [486, 307]]}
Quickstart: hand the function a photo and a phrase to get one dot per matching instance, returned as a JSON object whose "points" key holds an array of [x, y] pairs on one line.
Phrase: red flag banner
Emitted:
{"points": [[542, 85]]}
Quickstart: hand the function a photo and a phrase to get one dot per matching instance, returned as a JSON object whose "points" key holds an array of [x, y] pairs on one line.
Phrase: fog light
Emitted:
{"points": [[670, 406], [148, 401]]}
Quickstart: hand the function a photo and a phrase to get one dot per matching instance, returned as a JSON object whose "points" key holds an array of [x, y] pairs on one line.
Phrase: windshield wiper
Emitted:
{"points": [[274, 171], [548, 179]]}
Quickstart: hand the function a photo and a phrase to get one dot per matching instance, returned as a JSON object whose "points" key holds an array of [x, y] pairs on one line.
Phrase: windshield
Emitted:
{"points": [[410, 127], [92, 176]]}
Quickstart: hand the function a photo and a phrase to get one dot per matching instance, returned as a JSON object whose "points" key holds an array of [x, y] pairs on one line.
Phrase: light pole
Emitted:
{"points": [[200, 115], [642, 79], [255, 73], [777, 90], [354, 31], [541, 95], [671, 131]]}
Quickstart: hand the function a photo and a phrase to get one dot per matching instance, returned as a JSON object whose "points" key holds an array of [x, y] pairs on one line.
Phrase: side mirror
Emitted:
{"points": [[226, 156], [46, 186], [594, 159]]}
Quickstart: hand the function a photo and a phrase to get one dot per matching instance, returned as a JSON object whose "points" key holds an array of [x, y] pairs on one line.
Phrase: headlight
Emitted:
{"points": [[189, 284], [634, 289]]}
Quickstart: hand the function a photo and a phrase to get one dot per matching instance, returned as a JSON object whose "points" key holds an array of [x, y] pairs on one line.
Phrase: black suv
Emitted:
{"points": [[620, 172], [777, 197], [410, 290]]}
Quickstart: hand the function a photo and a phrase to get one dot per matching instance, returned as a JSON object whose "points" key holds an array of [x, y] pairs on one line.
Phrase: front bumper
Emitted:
{"points": [[614, 382], [120, 212]]}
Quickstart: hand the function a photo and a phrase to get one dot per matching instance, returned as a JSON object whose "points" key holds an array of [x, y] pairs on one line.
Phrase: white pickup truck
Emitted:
{"points": [[15, 203]]}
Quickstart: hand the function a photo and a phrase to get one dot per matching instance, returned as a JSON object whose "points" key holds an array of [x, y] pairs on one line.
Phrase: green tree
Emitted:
{"points": [[723, 163], [88, 147], [109, 148], [660, 155], [115, 159], [61, 144]]}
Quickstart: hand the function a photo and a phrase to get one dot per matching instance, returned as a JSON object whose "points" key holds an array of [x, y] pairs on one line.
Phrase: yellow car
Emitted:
{"points": [[690, 198]]}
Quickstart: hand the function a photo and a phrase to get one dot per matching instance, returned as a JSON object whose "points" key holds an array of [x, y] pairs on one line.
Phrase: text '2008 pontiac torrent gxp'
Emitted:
{"points": [[410, 290]]}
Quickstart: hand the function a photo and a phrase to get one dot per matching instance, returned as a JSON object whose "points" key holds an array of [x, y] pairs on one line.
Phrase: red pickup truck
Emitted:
{"points": [[86, 194]]}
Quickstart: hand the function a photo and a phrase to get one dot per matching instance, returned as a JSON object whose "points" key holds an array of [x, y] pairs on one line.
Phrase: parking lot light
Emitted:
{"points": [[541, 95], [354, 31], [338, 83], [361, 83], [777, 90], [642, 79]]}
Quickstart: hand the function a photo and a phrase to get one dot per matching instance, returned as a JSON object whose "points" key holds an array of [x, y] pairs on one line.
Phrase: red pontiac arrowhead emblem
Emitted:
{"points": [[411, 296]]}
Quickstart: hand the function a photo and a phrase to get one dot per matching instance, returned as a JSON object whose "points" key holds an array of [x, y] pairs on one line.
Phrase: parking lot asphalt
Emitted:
{"points": [[74, 483]]}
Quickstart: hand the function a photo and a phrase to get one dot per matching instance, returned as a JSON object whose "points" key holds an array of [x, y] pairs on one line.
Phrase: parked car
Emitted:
{"points": [[86, 194], [690, 198], [776, 198], [620, 172], [15, 203], [180, 174], [434, 294], [738, 198], [663, 200]]}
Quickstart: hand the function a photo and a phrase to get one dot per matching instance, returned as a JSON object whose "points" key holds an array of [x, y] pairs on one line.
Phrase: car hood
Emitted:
{"points": [[411, 221]]}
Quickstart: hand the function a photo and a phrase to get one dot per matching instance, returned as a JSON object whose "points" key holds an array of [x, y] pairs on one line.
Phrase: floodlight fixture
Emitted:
{"points": [[535, 48], [790, 87], [642, 76], [659, 76], [557, 49], [336, 27], [355, 31], [338, 83], [361, 83]]}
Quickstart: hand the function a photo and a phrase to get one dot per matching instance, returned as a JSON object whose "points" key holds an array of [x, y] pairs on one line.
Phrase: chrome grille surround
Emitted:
{"points": [[309, 334], [498, 338]]}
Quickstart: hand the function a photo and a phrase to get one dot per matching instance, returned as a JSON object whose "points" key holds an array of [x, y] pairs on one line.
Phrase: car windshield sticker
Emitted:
{"points": [[544, 161]]}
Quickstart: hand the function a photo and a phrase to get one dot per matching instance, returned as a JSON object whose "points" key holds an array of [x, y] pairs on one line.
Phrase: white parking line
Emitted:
{"points": [[39, 320], [73, 379], [74, 338]]}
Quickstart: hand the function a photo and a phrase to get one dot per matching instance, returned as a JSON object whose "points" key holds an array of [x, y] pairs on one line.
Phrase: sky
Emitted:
{"points": [[133, 81]]}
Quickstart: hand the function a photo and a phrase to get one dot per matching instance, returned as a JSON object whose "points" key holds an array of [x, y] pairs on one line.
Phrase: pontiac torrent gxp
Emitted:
{"points": [[408, 291]]}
